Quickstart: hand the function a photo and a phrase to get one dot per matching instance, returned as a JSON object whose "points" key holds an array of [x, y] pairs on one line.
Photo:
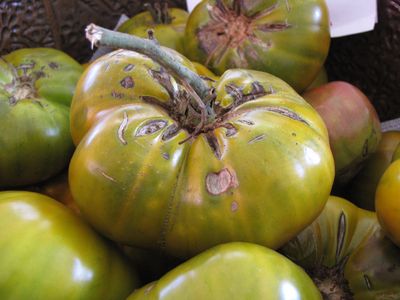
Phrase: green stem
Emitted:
{"points": [[100, 36]]}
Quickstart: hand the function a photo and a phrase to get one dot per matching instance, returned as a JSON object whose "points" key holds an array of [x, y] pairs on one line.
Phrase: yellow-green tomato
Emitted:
{"points": [[115, 79], [147, 174], [233, 271], [36, 88], [168, 25], [347, 254], [387, 201], [361, 189], [287, 38], [47, 252]]}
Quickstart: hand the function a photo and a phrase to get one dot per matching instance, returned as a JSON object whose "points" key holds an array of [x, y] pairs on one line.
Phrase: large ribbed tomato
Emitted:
{"points": [[151, 172], [36, 88], [347, 254], [287, 38], [233, 271], [47, 252]]}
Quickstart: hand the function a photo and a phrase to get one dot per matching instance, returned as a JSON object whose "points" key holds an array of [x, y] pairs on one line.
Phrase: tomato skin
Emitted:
{"points": [[387, 201], [154, 187], [347, 236], [294, 48], [170, 34], [47, 252], [351, 142], [233, 271], [100, 89], [361, 189], [35, 141]]}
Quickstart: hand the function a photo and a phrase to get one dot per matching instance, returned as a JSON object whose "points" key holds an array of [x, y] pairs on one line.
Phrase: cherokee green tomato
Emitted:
{"points": [[146, 174], [287, 38], [168, 25], [47, 252], [347, 254], [36, 87], [233, 271]]}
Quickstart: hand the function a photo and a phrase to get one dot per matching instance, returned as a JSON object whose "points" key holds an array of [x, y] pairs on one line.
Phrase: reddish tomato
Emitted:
{"points": [[353, 125]]}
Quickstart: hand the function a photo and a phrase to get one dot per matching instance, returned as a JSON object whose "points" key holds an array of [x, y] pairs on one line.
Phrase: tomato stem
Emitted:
{"points": [[100, 36]]}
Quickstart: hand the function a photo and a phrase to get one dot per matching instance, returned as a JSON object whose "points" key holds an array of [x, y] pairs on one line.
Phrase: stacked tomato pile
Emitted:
{"points": [[208, 159]]}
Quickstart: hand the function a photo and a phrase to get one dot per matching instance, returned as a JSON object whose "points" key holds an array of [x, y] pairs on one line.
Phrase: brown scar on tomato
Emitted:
{"points": [[127, 82], [365, 149], [117, 95], [122, 128], [151, 127], [129, 67], [247, 122], [341, 233], [53, 65], [258, 138], [220, 182], [367, 281]]}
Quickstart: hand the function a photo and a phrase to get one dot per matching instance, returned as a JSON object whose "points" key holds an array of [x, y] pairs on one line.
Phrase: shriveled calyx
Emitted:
{"points": [[229, 27], [331, 282], [159, 12], [22, 86]]}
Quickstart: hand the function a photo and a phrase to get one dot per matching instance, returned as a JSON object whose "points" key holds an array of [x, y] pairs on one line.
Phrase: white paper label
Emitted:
{"points": [[346, 17]]}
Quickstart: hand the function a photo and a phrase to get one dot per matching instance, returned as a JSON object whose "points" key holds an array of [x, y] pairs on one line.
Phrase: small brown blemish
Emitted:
{"points": [[151, 127], [53, 65], [365, 148], [367, 282], [127, 82], [220, 182], [117, 95], [247, 122], [129, 67], [258, 138], [165, 155], [294, 134], [234, 206]]}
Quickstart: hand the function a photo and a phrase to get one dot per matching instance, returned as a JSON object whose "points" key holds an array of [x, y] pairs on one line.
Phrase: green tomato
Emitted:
{"points": [[168, 25], [289, 39], [36, 88], [47, 252], [347, 254], [146, 175], [233, 271]]}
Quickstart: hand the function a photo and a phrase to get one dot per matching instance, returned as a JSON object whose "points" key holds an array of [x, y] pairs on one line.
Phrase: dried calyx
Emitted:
{"points": [[192, 101], [229, 27], [198, 115], [331, 282], [22, 86], [159, 12]]}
